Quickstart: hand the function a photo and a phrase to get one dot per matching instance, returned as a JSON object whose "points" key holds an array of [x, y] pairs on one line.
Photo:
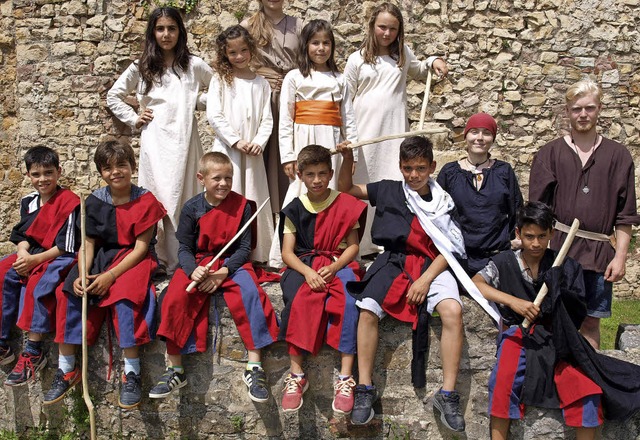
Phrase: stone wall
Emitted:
{"points": [[215, 405], [513, 59]]}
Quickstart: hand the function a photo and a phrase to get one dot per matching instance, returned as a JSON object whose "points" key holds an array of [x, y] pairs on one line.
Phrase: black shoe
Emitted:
{"points": [[363, 412], [130, 391], [449, 407], [256, 380], [171, 380], [61, 385], [26, 368]]}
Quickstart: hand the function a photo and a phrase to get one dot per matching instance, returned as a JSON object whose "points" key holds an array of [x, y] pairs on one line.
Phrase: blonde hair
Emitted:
{"points": [[583, 88], [260, 27], [213, 157]]}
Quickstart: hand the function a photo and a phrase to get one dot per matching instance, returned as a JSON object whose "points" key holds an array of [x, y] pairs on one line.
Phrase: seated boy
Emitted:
{"points": [[512, 279], [46, 241], [319, 245], [208, 222], [120, 224], [409, 272]]}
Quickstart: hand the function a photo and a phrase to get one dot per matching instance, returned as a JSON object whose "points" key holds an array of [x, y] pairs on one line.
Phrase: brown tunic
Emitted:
{"points": [[558, 179]]}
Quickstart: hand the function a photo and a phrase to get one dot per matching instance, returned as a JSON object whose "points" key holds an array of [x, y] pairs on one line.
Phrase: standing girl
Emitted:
{"points": [[377, 76], [486, 194], [167, 80], [239, 110], [276, 35], [315, 108]]}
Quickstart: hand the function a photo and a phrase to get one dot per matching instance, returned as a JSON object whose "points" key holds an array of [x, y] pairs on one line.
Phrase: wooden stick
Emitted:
{"points": [[425, 99], [85, 349], [557, 262], [193, 284], [392, 136]]}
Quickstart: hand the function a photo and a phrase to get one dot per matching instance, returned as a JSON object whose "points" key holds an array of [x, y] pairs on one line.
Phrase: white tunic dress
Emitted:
{"points": [[242, 111], [379, 93], [169, 144], [318, 86]]}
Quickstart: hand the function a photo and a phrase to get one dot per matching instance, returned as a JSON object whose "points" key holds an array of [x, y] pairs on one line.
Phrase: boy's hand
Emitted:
{"points": [[144, 118], [315, 281], [327, 273], [213, 280], [418, 291], [199, 274], [290, 169], [347, 153], [24, 264], [440, 67], [525, 308], [99, 284]]}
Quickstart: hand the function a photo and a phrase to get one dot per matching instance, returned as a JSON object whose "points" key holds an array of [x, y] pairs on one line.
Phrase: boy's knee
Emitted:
{"points": [[368, 318], [450, 311]]}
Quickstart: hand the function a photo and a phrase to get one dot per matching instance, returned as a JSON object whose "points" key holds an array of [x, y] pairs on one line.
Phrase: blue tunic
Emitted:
{"points": [[488, 216]]}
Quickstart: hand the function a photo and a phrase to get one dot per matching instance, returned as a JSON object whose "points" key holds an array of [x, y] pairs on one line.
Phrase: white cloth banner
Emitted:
{"points": [[431, 221]]}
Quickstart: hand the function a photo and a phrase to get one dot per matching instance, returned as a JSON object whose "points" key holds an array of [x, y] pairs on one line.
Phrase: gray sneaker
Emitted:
{"points": [[449, 407], [171, 380], [362, 411], [130, 391]]}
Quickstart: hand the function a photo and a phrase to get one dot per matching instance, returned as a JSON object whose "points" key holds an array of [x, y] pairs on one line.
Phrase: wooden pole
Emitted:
{"points": [[193, 284], [392, 136], [425, 99], [85, 349], [557, 262]]}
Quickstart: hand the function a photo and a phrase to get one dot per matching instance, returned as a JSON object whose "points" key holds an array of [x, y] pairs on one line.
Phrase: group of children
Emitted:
{"points": [[327, 298]]}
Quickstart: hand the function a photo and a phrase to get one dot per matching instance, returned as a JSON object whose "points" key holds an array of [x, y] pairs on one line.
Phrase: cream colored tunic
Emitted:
{"points": [[169, 144], [242, 111]]}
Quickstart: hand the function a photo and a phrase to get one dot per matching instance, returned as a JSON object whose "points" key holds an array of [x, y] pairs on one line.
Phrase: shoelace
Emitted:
{"points": [[452, 403], [291, 384], [25, 361], [345, 387], [130, 382], [256, 378], [58, 378]]}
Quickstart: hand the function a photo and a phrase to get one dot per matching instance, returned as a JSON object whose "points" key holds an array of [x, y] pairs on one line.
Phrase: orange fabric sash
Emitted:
{"points": [[318, 113]]}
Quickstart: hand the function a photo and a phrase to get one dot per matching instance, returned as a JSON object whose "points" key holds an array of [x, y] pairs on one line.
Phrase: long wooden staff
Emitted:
{"points": [[390, 137], [425, 99], [193, 284], [85, 349], [557, 262]]}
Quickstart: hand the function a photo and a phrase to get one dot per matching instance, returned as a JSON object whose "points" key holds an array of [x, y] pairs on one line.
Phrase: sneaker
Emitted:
{"points": [[171, 380], [343, 399], [449, 407], [256, 380], [130, 391], [61, 385], [26, 368], [6, 355], [294, 388], [362, 407]]}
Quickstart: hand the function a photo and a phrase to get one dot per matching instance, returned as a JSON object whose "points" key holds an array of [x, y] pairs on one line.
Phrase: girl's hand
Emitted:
{"points": [[213, 280], [144, 118], [77, 287], [440, 67], [290, 169], [100, 284], [241, 145], [199, 274], [525, 308], [253, 149], [315, 281], [327, 273]]}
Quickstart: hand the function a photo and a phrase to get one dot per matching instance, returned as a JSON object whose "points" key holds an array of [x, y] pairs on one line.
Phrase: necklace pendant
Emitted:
{"points": [[585, 189]]}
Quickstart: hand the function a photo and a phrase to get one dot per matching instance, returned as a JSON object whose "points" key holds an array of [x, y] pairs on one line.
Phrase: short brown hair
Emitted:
{"points": [[313, 155], [110, 151], [214, 157]]}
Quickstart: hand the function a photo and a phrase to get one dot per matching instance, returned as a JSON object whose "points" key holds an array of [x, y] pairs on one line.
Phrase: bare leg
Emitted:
{"points": [[67, 349], [131, 352], [175, 360], [296, 363], [35, 337], [499, 428], [346, 365], [591, 331], [254, 355], [451, 341], [367, 345], [585, 433]]}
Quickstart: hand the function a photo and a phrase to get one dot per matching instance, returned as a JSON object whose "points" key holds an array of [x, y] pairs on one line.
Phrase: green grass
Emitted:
{"points": [[622, 312]]}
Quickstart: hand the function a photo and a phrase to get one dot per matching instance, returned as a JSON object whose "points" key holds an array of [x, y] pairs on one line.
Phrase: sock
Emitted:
{"points": [[67, 363], [34, 348], [4, 343], [343, 376], [446, 393], [370, 387], [178, 369], [250, 365], [301, 375], [131, 364]]}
